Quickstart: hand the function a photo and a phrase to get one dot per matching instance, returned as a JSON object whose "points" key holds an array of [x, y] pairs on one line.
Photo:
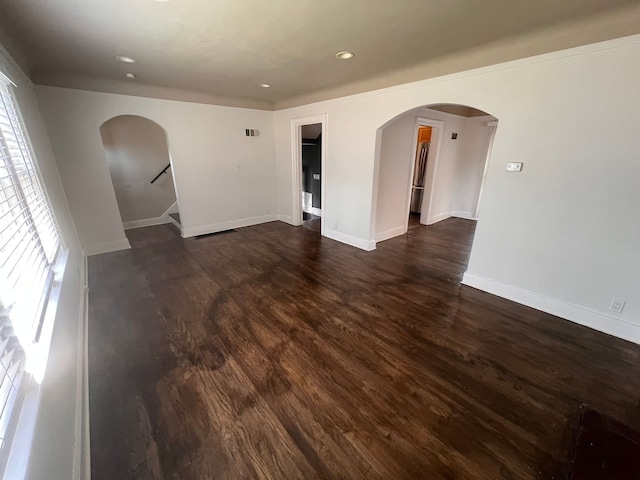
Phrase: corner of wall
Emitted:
{"points": [[286, 219], [393, 232], [367, 245]]}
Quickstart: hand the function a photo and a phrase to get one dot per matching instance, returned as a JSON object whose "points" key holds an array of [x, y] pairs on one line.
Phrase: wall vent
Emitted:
{"points": [[251, 132]]}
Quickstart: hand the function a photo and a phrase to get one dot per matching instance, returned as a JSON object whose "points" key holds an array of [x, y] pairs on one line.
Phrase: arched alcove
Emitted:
{"points": [[430, 165], [137, 151]]}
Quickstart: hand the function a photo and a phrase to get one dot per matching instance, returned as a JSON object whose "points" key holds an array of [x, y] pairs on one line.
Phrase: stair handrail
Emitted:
{"points": [[164, 170]]}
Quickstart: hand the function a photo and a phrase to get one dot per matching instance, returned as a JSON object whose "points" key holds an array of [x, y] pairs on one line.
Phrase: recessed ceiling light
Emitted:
{"points": [[345, 55], [264, 85], [122, 58], [131, 75]]}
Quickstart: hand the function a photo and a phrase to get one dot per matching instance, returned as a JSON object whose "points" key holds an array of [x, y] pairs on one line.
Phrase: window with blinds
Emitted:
{"points": [[29, 244]]}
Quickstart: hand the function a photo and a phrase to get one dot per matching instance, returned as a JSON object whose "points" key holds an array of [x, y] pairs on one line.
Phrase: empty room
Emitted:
{"points": [[319, 240]]}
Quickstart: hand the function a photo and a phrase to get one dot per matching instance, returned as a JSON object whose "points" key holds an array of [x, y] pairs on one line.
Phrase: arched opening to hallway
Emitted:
{"points": [[137, 154], [431, 166]]}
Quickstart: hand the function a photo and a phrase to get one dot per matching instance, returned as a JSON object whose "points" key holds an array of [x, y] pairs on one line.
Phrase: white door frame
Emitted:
{"points": [[493, 127], [432, 163], [296, 165]]}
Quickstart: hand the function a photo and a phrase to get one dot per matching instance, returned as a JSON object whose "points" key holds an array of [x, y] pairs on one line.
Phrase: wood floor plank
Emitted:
{"points": [[272, 352]]}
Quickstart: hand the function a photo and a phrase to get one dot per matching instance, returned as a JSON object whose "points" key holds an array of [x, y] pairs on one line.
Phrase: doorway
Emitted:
{"points": [[431, 163], [309, 146], [137, 154], [427, 136], [312, 175]]}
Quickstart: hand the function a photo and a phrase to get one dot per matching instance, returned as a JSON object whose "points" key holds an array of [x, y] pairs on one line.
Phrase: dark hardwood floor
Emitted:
{"points": [[414, 221], [272, 352], [314, 222]]}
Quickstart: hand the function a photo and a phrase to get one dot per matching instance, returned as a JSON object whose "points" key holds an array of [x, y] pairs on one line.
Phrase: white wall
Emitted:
{"points": [[446, 174], [474, 144], [348, 147], [564, 233], [136, 150], [397, 152], [223, 179], [53, 450]]}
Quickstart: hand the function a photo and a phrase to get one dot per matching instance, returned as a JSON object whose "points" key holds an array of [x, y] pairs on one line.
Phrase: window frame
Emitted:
{"points": [[16, 453]]}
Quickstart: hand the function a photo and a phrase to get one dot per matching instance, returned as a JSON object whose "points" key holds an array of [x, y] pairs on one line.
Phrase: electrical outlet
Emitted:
{"points": [[335, 225], [617, 305]]}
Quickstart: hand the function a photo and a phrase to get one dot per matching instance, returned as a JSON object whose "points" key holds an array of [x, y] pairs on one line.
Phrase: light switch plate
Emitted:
{"points": [[514, 167]]}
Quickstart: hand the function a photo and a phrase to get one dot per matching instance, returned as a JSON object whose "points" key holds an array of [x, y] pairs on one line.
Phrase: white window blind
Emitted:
{"points": [[29, 244]]}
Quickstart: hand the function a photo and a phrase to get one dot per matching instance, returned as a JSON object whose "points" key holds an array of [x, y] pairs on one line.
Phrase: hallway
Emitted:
{"points": [[273, 352]]}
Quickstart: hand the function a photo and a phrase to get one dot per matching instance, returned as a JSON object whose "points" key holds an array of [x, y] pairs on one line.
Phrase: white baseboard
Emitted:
{"points": [[175, 222], [145, 222], [107, 247], [392, 232], [465, 215], [286, 219], [220, 227], [438, 218], [172, 209], [367, 245], [574, 313], [149, 222]]}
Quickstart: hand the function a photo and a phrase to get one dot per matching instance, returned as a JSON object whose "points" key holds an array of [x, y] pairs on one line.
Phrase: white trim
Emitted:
{"points": [[439, 217], [367, 245], [221, 227], [20, 456], [85, 444], [296, 164], [392, 232], [4, 80], [574, 313], [432, 163], [173, 221], [460, 214], [81, 456], [286, 219], [172, 209], [376, 184], [426, 216], [176, 204], [145, 222], [98, 248], [149, 222], [19, 461], [493, 128]]}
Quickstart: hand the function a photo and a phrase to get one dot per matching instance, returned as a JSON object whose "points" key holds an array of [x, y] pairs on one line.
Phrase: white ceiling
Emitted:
{"points": [[218, 51]]}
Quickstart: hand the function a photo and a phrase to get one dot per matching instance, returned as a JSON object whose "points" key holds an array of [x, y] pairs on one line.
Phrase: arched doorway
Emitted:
{"points": [[431, 165], [137, 154]]}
